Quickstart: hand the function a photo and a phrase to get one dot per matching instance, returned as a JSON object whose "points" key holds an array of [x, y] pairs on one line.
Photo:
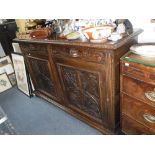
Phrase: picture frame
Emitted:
{"points": [[5, 83], [16, 48], [12, 78], [8, 69], [5, 60], [6, 65], [21, 73]]}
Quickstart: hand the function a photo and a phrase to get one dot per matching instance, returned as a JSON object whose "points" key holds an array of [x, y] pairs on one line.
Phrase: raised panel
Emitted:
{"points": [[82, 88], [81, 93], [40, 71]]}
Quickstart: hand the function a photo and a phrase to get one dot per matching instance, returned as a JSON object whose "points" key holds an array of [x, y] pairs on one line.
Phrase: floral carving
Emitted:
{"points": [[44, 82], [88, 54], [82, 90]]}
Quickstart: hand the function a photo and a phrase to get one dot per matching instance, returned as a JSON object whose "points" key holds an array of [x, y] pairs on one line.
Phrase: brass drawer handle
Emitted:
{"points": [[149, 118], [150, 95], [74, 53]]}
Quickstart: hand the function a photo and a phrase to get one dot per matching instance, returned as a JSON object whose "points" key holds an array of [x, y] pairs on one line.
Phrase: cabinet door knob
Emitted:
{"points": [[29, 54], [150, 95], [74, 53], [149, 118]]}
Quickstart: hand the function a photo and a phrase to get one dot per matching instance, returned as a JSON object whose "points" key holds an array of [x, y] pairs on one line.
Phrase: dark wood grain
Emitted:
{"points": [[132, 127], [138, 109], [137, 88], [39, 49]]}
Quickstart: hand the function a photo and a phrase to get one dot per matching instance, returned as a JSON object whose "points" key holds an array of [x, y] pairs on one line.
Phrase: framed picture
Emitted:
{"points": [[4, 82], [16, 48], [8, 69], [21, 73], [5, 60], [6, 65], [12, 78]]}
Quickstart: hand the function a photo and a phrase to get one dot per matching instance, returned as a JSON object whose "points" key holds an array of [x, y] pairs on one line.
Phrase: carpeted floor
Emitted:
{"points": [[33, 116], [6, 127]]}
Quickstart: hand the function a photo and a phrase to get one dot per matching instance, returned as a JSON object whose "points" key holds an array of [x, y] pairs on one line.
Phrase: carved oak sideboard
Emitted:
{"points": [[82, 78]]}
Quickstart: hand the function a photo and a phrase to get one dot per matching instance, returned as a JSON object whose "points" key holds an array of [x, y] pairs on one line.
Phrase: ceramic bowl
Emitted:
{"points": [[100, 32], [115, 36], [144, 50]]}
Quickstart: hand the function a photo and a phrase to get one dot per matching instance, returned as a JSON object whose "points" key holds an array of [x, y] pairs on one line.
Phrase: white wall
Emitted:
{"points": [[149, 29]]}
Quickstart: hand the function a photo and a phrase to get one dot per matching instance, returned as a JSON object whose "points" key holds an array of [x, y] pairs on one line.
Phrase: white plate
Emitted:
{"points": [[98, 40], [144, 50], [73, 35]]}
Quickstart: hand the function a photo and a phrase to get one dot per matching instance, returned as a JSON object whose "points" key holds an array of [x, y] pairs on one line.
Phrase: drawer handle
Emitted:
{"points": [[149, 118], [74, 53], [150, 95]]}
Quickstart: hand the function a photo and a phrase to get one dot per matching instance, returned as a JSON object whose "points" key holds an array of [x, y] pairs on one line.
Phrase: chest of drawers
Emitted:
{"points": [[137, 94]]}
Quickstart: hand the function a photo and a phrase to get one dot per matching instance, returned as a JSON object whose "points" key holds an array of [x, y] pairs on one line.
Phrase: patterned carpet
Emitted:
{"points": [[6, 127]]}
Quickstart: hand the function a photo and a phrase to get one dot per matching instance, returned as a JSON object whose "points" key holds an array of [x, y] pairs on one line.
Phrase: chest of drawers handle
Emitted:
{"points": [[150, 95], [149, 118], [74, 53]]}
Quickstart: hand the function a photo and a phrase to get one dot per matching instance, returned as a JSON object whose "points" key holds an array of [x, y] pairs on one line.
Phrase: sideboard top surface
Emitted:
{"points": [[108, 45]]}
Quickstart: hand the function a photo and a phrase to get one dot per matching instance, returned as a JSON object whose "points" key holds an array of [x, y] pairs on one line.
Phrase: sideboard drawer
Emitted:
{"points": [[138, 89], [41, 49], [139, 111], [77, 52], [132, 127]]}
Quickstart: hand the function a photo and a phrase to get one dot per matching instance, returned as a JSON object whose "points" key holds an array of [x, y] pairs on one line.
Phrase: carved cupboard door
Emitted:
{"points": [[83, 86], [42, 76]]}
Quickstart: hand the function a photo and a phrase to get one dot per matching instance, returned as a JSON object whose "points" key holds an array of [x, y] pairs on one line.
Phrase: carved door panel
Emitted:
{"points": [[41, 74], [82, 84]]}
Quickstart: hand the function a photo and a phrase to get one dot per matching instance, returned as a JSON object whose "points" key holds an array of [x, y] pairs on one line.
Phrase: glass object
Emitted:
{"points": [[132, 57]]}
